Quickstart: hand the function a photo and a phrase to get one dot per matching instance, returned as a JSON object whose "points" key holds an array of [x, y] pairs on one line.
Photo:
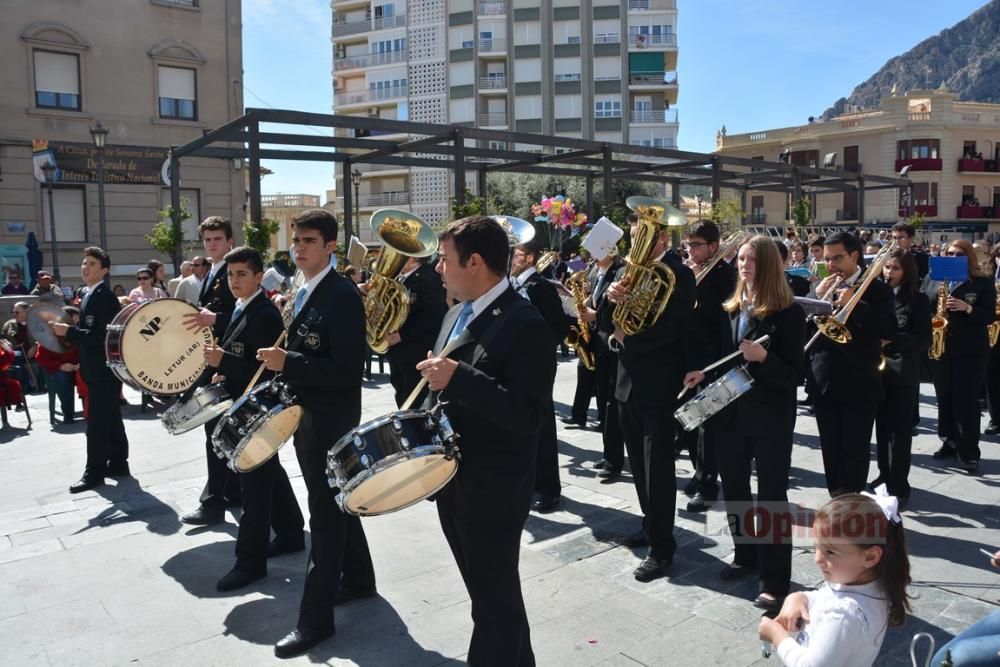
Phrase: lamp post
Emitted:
{"points": [[49, 170], [99, 134], [356, 180], [701, 200]]}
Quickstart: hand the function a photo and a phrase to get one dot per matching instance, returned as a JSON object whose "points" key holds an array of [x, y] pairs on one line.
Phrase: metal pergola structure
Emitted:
{"points": [[445, 147]]}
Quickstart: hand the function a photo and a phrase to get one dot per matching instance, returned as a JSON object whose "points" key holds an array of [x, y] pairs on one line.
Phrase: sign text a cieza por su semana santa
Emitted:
{"points": [[128, 165]]}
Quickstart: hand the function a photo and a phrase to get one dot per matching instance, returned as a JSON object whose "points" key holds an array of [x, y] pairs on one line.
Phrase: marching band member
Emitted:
{"points": [[323, 366], [903, 234], [847, 384], [904, 355], [960, 372], [409, 345], [758, 426], [709, 326], [543, 296], [651, 370], [107, 444], [222, 487], [599, 310], [268, 499], [496, 389]]}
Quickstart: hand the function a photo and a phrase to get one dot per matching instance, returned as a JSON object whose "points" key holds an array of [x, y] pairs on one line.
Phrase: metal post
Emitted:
{"points": [[253, 142], [345, 178], [910, 207], [100, 199], [357, 207], [861, 200], [52, 233], [716, 182], [481, 185], [743, 206], [459, 168], [175, 202], [608, 185], [590, 197], [675, 201]]}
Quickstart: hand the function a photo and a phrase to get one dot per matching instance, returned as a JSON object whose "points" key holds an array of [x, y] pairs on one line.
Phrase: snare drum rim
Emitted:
{"points": [[241, 445], [388, 462], [365, 427]]}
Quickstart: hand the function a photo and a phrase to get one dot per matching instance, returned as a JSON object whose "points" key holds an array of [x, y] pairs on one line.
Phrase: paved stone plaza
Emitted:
{"points": [[112, 577]]}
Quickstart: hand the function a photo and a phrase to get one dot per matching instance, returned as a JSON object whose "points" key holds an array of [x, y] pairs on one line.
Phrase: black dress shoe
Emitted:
{"points": [[299, 641], [237, 578], [545, 503], [734, 572], [652, 568], [86, 484], [610, 473], [692, 487], [701, 502], [278, 547], [636, 539], [971, 467], [768, 602], [345, 595], [204, 516], [946, 452], [600, 465]]}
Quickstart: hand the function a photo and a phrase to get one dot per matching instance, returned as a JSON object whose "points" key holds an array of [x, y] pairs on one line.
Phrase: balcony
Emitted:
{"points": [[974, 212], [347, 28], [491, 9], [920, 164], [607, 38], [926, 210], [640, 41], [653, 116], [289, 201], [492, 45], [370, 95], [384, 199], [652, 78], [369, 60], [493, 82], [387, 22], [647, 5], [496, 119], [757, 219], [978, 165]]}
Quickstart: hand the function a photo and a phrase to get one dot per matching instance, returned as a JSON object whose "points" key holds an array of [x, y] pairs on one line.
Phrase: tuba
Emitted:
{"points": [[388, 302], [939, 323], [650, 283], [993, 330], [579, 333]]}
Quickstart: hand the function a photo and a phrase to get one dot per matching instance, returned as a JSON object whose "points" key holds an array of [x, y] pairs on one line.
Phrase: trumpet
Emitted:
{"points": [[939, 323], [993, 330]]}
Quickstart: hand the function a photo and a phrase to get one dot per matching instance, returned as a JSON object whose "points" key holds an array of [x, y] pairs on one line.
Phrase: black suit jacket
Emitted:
{"points": [[97, 313], [262, 328], [498, 401], [769, 406], [218, 298], [799, 285], [849, 372], [545, 298], [913, 336], [326, 355], [710, 323], [966, 334], [653, 362], [603, 326], [427, 309]]}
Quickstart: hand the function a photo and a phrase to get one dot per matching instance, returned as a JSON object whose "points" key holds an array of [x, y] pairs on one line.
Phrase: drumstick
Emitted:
{"points": [[27, 364], [760, 341], [256, 376], [423, 381]]}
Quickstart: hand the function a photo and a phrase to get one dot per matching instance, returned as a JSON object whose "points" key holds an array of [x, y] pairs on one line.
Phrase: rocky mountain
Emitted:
{"points": [[965, 58]]}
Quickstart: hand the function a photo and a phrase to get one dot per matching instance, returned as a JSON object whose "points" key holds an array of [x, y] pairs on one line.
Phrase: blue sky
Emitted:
{"points": [[748, 64]]}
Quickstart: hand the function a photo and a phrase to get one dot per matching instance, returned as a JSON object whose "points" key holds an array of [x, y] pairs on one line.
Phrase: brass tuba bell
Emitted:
{"points": [[403, 235], [650, 283]]}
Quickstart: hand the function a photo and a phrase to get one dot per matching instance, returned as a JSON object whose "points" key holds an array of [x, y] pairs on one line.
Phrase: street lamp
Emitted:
{"points": [[356, 179], [99, 134], [700, 199], [49, 170]]}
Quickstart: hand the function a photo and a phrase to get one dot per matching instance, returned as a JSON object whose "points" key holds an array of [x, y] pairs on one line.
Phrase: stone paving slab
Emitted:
{"points": [[112, 577]]}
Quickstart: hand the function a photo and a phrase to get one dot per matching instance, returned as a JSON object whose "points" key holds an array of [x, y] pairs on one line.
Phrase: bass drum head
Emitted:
{"points": [[406, 482], [264, 442], [159, 353]]}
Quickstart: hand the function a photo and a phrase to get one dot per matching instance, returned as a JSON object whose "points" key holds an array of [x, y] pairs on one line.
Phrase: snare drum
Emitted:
{"points": [[205, 405], [256, 427], [149, 348], [393, 462], [710, 400]]}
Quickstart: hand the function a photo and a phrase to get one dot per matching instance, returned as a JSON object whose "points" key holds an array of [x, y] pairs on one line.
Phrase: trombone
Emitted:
{"points": [[734, 240]]}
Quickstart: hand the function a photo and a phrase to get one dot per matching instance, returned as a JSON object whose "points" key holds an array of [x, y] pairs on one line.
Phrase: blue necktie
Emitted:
{"points": [[236, 312], [300, 298], [463, 319], [86, 298]]}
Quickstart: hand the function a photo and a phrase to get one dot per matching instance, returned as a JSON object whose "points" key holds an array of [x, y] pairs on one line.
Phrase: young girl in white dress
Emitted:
{"points": [[861, 551]]}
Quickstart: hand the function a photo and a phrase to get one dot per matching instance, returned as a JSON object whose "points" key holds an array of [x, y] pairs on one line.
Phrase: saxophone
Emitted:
{"points": [[650, 283], [939, 324], [579, 334], [993, 330]]}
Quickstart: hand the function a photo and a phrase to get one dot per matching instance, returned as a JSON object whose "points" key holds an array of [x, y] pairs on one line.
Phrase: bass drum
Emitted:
{"points": [[393, 462], [149, 348], [256, 427]]}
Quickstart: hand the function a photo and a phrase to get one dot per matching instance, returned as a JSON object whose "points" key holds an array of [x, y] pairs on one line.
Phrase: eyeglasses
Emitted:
{"points": [[695, 244], [834, 258], [143, 279]]}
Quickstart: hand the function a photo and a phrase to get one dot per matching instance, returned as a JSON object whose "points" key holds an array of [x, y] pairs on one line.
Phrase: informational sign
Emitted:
{"points": [[123, 165]]}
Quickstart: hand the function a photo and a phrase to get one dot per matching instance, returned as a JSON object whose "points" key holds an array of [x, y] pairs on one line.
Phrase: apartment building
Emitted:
{"points": [[589, 69], [153, 73], [950, 150]]}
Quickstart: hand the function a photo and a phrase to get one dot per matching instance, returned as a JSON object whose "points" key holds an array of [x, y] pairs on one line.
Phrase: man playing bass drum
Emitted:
{"points": [[758, 426]]}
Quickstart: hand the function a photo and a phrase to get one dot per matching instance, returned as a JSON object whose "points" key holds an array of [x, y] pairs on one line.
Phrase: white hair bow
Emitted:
{"points": [[888, 504]]}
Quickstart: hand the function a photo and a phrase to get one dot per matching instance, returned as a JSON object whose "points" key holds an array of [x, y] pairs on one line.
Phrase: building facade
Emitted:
{"points": [[155, 73], [951, 151], [591, 69], [282, 209]]}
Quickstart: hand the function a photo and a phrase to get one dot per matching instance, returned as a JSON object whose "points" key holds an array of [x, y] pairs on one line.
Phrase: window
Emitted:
{"points": [[925, 194], [71, 217], [57, 80], [191, 200], [917, 149], [494, 145], [573, 39], [386, 86], [389, 45], [608, 108], [384, 11], [567, 77], [969, 195], [969, 149], [177, 93]]}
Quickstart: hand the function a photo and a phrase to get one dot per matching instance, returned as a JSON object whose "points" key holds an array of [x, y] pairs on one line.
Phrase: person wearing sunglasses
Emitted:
{"points": [[145, 291]]}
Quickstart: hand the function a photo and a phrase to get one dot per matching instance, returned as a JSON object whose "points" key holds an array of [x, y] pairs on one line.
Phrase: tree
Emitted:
{"points": [[726, 211], [167, 235], [473, 206], [800, 213], [258, 236]]}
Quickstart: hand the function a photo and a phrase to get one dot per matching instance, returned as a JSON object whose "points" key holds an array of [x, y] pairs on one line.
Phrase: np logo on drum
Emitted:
{"points": [[151, 329]]}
